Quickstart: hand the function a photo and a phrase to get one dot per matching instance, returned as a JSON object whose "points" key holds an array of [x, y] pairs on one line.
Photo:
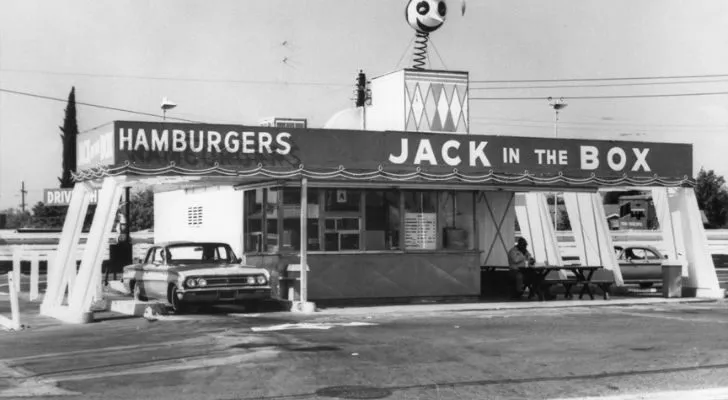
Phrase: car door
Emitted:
{"points": [[155, 276], [640, 264], [650, 268]]}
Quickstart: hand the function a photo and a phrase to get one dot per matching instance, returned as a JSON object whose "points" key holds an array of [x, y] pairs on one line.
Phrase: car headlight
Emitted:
{"points": [[190, 282], [202, 282], [261, 280], [251, 280]]}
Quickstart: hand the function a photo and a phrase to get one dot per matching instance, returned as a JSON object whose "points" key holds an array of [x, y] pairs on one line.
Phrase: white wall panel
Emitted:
{"points": [[222, 216]]}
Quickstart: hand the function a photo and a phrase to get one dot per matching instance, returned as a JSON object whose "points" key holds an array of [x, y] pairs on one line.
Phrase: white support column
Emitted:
{"points": [[670, 227], [591, 232], [14, 307], [702, 278], [537, 228], [17, 250], [63, 265], [85, 291], [34, 272], [304, 305]]}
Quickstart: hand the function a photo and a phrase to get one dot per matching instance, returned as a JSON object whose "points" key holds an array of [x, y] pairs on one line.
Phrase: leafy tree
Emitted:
{"points": [[712, 196], [564, 223], [142, 210], [16, 219], [48, 217], [68, 137]]}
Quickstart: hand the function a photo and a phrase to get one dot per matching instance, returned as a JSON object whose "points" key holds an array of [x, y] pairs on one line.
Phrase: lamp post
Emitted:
{"points": [[558, 105], [166, 105]]}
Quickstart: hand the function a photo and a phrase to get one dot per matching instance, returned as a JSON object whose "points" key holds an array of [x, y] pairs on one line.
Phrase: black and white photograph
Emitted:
{"points": [[381, 199]]}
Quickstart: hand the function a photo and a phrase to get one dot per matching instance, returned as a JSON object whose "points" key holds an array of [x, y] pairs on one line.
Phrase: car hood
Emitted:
{"points": [[217, 269]]}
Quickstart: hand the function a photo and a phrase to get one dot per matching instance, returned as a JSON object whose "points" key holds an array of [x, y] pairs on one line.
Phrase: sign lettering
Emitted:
{"points": [[202, 147]]}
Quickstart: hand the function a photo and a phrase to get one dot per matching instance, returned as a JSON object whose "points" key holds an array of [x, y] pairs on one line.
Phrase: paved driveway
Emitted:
{"points": [[429, 354]]}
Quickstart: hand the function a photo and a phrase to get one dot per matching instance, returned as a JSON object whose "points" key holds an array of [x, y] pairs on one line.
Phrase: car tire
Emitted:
{"points": [[178, 306], [646, 285], [137, 291]]}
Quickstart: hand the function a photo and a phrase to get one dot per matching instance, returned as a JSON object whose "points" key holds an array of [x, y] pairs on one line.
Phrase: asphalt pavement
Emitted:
{"points": [[527, 350]]}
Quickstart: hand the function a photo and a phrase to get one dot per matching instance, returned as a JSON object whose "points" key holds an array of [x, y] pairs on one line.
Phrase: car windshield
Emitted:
{"points": [[198, 253]]}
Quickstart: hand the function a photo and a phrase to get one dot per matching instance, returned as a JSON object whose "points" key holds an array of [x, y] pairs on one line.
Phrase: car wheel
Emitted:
{"points": [[137, 291], [178, 306], [645, 285]]}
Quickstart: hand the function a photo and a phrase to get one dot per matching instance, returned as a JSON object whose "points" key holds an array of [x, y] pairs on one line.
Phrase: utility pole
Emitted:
{"points": [[23, 192], [362, 96], [557, 105]]}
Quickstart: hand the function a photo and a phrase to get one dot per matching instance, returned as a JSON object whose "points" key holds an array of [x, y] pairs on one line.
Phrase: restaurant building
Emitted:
{"points": [[398, 201]]}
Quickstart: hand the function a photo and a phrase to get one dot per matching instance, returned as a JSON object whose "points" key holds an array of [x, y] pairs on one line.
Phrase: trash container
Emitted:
{"points": [[672, 279], [293, 282]]}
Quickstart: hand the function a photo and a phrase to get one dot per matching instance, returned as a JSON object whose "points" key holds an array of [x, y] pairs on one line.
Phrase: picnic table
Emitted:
{"points": [[535, 279]]}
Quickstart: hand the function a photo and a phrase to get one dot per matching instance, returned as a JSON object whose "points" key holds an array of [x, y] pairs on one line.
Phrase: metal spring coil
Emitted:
{"points": [[420, 55]]}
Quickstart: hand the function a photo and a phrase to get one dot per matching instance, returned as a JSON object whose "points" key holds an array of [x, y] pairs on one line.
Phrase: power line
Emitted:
{"points": [[607, 123], [92, 105], [568, 126], [636, 96], [599, 85], [603, 79], [178, 79], [96, 127]]}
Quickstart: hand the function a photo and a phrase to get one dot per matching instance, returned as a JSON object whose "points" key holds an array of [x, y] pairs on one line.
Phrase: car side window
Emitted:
{"points": [[638, 254], [158, 255], [650, 255], [150, 255]]}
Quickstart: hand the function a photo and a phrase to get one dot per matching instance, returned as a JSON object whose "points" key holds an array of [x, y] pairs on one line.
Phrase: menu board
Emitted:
{"points": [[420, 231]]}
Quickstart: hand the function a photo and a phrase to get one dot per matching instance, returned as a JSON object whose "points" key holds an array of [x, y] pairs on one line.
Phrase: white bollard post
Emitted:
{"points": [[16, 268], [34, 278], [14, 310]]}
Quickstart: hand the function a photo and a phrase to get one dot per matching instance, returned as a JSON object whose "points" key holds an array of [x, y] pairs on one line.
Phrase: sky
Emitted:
{"points": [[240, 61]]}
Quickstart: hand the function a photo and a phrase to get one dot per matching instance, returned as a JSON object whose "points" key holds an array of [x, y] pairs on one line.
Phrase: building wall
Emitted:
{"points": [[384, 275], [387, 109], [203, 214]]}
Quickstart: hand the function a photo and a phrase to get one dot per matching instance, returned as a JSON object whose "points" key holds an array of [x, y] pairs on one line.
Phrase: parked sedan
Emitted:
{"points": [[187, 273], [640, 264]]}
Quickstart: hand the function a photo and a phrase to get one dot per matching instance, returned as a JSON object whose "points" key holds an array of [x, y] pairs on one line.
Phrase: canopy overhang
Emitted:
{"points": [[249, 154]]}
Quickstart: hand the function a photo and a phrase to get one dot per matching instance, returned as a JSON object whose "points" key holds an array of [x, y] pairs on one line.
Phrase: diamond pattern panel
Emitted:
{"points": [[417, 106], [436, 107]]}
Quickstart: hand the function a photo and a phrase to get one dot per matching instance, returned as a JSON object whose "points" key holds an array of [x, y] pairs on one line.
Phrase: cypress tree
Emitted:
{"points": [[69, 132]]}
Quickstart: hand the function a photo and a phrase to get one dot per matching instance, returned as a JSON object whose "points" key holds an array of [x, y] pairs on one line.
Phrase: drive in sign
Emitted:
{"points": [[62, 197]]}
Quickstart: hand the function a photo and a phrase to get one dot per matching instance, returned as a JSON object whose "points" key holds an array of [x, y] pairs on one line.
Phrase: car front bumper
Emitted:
{"points": [[222, 295]]}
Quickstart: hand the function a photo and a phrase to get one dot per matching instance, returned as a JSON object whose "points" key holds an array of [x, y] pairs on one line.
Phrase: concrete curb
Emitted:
{"points": [[136, 308], [8, 325]]}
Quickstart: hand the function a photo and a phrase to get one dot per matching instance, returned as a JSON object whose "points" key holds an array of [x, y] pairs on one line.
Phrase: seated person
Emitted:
{"points": [[629, 255], [208, 254], [519, 257]]}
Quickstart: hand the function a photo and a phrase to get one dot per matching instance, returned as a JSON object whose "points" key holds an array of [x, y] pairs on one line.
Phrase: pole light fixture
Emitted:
{"points": [[167, 105], [558, 105]]}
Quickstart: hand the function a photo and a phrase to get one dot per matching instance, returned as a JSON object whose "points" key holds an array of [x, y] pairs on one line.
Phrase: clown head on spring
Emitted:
{"points": [[426, 16]]}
